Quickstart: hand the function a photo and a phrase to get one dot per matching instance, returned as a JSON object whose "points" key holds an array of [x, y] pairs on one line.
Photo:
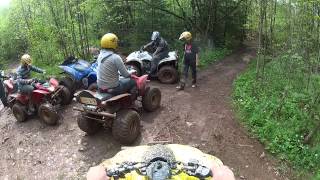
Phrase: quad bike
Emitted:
{"points": [[167, 71], [161, 162], [7, 87], [78, 74], [117, 112], [46, 99]]}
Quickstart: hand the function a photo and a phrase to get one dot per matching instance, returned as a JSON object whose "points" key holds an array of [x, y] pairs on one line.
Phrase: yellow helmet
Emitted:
{"points": [[26, 59], [185, 36], [109, 41]]}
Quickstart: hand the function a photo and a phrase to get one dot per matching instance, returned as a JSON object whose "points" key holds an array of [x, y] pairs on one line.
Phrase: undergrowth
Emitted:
{"points": [[281, 109]]}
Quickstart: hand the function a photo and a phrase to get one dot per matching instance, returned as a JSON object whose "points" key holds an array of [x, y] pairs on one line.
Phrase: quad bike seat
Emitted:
{"points": [[82, 65], [103, 96]]}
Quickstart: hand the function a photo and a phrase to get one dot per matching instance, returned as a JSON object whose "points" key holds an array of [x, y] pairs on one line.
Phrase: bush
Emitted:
{"points": [[280, 110]]}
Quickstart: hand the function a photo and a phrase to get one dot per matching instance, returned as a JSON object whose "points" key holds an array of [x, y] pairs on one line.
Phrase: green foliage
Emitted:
{"points": [[209, 56], [52, 30], [281, 112]]}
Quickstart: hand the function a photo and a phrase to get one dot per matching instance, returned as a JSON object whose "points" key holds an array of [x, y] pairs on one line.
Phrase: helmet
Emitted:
{"points": [[185, 36], [26, 59], [109, 41], [155, 36]]}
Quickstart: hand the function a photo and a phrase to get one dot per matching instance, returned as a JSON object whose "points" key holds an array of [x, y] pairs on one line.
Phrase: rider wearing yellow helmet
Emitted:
{"points": [[23, 78], [110, 65], [24, 71], [191, 59]]}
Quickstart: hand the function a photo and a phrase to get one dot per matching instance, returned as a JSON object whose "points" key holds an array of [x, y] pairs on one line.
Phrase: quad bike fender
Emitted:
{"points": [[172, 59], [20, 98], [38, 95], [94, 66], [92, 77], [141, 83], [53, 82], [182, 153], [135, 62], [72, 72], [137, 55], [8, 84], [123, 99]]}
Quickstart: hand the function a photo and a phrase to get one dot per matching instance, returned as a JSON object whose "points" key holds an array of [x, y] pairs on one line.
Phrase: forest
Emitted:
{"points": [[277, 98]]}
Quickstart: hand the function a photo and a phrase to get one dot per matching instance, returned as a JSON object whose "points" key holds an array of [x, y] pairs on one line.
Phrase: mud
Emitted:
{"points": [[202, 117]]}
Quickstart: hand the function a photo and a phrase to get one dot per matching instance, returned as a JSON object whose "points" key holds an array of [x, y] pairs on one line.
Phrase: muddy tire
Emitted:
{"points": [[126, 126], [48, 114], [19, 112], [69, 83], [65, 95], [93, 87], [168, 75], [88, 125], [3, 95], [136, 68], [151, 99]]}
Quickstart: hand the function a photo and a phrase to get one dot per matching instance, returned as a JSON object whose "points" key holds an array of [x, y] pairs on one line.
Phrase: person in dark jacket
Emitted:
{"points": [[24, 78], [191, 59], [161, 51]]}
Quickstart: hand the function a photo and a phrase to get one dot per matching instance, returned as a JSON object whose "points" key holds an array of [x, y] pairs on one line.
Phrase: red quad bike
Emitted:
{"points": [[46, 98], [7, 87], [117, 112]]}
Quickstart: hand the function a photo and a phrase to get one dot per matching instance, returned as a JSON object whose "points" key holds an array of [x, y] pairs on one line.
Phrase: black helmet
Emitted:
{"points": [[155, 36]]}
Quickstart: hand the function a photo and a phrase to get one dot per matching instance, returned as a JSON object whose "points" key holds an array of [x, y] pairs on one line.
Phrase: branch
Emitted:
{"points": [[164, 10], [233, 11]]}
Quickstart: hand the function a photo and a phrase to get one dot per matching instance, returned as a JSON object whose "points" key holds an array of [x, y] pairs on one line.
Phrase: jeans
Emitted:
{"points": [[125, 85], [193, 66], [155, 62]]}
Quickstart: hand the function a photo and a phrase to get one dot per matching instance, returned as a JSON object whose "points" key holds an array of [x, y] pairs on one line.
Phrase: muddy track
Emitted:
{"points": [[201, 117]]}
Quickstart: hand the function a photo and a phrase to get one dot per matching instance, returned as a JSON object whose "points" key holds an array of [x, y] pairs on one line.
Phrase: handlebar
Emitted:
{"points": [[191, 168]]}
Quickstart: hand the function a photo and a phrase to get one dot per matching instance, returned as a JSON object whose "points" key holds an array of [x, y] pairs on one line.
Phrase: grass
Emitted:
{"points": [[278, 111], [209, 56]]}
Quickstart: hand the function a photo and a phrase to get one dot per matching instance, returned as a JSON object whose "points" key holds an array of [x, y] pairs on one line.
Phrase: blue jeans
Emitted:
{"points": [[125, 85]]}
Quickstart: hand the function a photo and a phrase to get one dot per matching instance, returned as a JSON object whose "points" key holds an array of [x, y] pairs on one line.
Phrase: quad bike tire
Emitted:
{"points": [[88, 125], [168, 75], [48, 114], [136, 68], [19, 112], [65, 95], [69, 83], [3, 95], [151, 99], [93, 87], [126, 126]]}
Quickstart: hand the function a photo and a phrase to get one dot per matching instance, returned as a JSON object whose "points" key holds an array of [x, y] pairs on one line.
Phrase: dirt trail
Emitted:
{"points": [[200, 117]]}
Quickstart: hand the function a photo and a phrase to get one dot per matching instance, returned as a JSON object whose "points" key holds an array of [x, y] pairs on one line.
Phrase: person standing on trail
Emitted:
{"points": [[191, 59], [110, 65]]}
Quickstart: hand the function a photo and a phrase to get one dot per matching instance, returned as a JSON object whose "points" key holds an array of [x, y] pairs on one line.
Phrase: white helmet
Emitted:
{"points": [[155, 36]]}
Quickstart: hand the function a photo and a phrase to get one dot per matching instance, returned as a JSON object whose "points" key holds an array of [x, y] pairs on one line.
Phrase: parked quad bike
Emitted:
{"points": [[7, 87], [161, 162], [46, 98], [117, 112], [78, 73], [167, 71]]}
